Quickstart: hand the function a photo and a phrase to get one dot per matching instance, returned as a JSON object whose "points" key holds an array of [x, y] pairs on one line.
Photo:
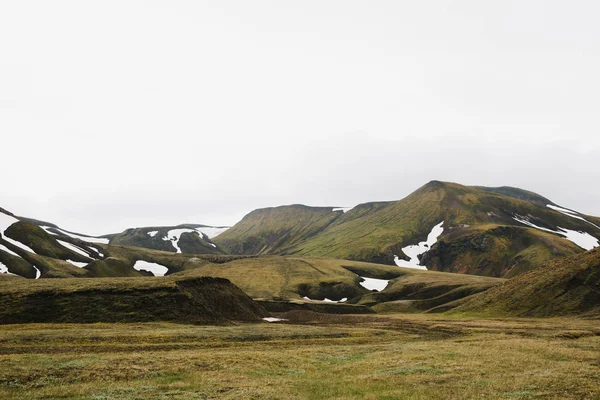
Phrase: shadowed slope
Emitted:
{"points": [[561, 287]]}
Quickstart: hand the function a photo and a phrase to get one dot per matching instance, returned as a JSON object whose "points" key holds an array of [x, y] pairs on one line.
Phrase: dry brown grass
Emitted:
{"points": [[315, 356]]}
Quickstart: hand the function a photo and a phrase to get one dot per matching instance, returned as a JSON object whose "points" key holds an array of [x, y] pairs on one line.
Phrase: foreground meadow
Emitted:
{"points": [[313, 356]]}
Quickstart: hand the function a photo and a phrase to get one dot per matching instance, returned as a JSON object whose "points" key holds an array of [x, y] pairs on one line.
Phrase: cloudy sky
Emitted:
{"points": [[117, 114]]}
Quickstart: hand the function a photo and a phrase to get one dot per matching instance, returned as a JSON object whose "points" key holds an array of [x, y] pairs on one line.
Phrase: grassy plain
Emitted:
{"points": [[313, 356]]}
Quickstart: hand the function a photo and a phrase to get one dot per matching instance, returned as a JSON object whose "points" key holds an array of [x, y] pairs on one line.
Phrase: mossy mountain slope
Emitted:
{"points": [[562, 287], [275, 230], [376, 232]]}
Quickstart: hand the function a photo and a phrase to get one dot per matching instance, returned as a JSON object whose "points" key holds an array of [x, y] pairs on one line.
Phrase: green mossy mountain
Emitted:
{"points": [[562, 287], [480, 235]]}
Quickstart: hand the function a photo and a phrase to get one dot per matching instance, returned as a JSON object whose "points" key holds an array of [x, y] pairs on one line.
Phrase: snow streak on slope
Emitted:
{"points": [[77, 263], [581, 239], [156, 269], [73, 248], [343, 209], [415, 250], [328, 301], [6, 249], [571, 214], [152, 233], [374, 284]]}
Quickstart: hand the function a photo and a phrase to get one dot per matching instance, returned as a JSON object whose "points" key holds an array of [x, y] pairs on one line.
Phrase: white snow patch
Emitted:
{"points": [[4, 270], [374, 284], [345, 299], [152, 233], [73, 248], [156, 269], [571, 214], [415, 250], [98, 250], [581, 239], [89, 239], [213, 245], [343, 209], [211, 231], [6, 249], [560, 209], [47, 229], [272, 319], [18, 244], [38, 273], [328, 301], [78, 264]]}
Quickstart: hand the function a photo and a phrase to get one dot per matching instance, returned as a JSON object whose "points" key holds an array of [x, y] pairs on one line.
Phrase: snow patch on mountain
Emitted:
{"points": [[6, 249], [4, 270], [156, 269], [571, 214], [415, 250], [152, 233], [374, 284], [343, 209], [77, 264], [581, 239], [328, 300], [73, 248]]}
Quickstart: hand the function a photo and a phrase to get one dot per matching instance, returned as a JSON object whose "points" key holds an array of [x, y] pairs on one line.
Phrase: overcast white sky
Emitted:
{"points": [[116, 114]]}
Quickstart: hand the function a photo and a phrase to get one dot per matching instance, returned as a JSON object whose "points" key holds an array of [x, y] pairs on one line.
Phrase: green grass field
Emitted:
{"points": [[314, 356]]}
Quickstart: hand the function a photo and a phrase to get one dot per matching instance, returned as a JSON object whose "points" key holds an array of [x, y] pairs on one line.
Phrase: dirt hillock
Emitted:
{"points": [[203, 300]]}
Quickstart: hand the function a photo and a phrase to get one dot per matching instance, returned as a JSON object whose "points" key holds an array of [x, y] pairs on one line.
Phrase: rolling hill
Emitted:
{"points": [[562, 287], [499, 232]]}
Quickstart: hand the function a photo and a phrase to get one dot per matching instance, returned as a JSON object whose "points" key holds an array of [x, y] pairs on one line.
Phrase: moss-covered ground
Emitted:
{"points": [[314, 356]]}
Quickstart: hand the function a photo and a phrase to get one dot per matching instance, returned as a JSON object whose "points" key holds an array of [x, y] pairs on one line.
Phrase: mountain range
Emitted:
{"points": [[421, 253]]}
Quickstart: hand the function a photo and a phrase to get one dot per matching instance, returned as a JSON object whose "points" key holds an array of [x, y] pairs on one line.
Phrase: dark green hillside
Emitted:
{"points": [[562, 287], [197, 300], [480, 235]]}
